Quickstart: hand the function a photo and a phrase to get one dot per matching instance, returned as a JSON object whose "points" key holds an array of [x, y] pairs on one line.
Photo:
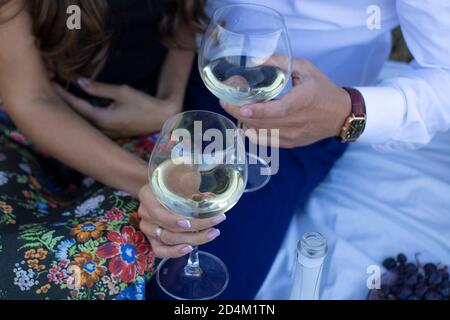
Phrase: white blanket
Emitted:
{"points": [[372, 205]]}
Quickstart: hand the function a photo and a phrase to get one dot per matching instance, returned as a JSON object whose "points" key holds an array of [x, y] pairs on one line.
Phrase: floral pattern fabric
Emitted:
{"points": [[63, 235]]}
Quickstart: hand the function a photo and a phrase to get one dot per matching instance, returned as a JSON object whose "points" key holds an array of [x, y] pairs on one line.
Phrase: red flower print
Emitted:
{"points": [[18, 137], [129, 252], [146, 144], [114, 214]]}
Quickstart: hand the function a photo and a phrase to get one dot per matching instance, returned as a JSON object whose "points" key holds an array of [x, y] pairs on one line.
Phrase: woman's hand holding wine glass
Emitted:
{"points": [[191, 187], [178, 234]]}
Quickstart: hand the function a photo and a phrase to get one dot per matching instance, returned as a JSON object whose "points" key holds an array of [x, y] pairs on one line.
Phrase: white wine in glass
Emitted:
{"points": [[194, 193], [231, 80], [246, 58], [199, 183]]}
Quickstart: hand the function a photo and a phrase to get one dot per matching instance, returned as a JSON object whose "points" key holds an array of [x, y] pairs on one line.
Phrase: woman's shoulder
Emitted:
{"points": [[10, 8], [13, 17]]}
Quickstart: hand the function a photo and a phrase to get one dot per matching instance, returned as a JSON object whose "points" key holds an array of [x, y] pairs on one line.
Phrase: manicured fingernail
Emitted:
{"points": [[186, 224], [212, 234], [219, 219], [187, 249], [246, 112], [84, 82]]}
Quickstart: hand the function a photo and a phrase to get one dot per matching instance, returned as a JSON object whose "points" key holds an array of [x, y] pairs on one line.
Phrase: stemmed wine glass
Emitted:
{"points": [[246, 57], [197, 170]]}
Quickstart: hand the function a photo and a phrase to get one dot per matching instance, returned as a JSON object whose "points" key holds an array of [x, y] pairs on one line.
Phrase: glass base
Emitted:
{"points": [[173, 280], [256, 180]]}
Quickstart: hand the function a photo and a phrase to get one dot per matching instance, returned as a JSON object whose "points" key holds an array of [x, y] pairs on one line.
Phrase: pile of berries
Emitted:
{"points": [[412, 281]]}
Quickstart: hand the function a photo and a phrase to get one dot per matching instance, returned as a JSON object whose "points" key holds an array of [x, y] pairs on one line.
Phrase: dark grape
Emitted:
{"points": [[432, 295], [401, 258], [444, 274], [420, 278], [429, 268], [444, 289], [404, 293], [401, 269], [412, 281], [411, 268], [395, 290], [400, 279], [420, 290], [434, 278], [389, 263], [385, 289]]}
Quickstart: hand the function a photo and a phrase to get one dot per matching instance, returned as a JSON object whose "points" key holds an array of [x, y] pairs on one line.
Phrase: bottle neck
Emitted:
{"points": [[311, 253]]}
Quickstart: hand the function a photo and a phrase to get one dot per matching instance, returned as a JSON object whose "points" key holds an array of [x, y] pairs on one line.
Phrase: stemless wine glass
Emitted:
{"points": [[246, 57], [197, 170]]}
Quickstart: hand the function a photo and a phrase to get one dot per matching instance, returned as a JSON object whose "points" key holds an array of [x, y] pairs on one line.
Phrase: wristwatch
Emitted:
{"points": [[356, 123]]}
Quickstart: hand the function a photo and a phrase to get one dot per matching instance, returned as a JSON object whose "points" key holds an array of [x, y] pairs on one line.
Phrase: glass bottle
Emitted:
{"points": [[311, 252]]}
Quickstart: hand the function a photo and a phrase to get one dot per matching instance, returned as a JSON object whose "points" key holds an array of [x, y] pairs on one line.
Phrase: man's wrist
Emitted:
{"points": [[344, 110], [355, 123]]}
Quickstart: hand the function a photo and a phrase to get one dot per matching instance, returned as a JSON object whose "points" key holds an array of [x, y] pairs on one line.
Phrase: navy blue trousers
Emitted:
{"points": [[251, 236]]}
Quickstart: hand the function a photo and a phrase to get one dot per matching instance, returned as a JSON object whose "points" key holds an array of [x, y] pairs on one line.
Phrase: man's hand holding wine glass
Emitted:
{"points": [[313, 110]]}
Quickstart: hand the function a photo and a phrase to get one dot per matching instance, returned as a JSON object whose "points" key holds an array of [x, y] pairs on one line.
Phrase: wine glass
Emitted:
{"points": [[246, 57], [197, 170]]}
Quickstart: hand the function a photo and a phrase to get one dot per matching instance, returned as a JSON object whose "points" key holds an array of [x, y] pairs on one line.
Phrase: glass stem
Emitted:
{"points": [[240, 127], [192, 268], [241, 130]]}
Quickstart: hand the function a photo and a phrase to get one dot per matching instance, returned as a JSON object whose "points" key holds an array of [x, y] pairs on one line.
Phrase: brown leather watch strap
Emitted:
{"points": [[356, 122], [358, 104]]}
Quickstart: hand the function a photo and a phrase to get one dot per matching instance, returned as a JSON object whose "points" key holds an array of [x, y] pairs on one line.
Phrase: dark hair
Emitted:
{"points": [[83, 52]]}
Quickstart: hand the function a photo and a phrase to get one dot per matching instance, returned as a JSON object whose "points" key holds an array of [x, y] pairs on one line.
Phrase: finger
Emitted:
{"points": [[272, 109], [152, 211], [263, 137], [302, 66], [231, 109], [80, 105], [175, 238], [276, 123], [279, 61], [163, 251], [100, 89], [160, 216], [193, 238]]}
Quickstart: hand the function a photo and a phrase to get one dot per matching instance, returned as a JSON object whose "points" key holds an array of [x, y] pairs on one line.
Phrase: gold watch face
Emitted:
{"points": [[355, 128]]}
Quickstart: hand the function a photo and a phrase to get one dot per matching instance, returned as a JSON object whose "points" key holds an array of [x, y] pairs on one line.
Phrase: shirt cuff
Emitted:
{"points": [[385, 110]]}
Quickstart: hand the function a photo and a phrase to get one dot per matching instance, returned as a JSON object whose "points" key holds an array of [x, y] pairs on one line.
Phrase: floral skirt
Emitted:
{"points": [[64, 235]]}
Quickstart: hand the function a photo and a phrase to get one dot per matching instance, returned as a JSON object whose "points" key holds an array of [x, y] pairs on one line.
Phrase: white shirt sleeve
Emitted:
{"points": [[406, 112]]}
